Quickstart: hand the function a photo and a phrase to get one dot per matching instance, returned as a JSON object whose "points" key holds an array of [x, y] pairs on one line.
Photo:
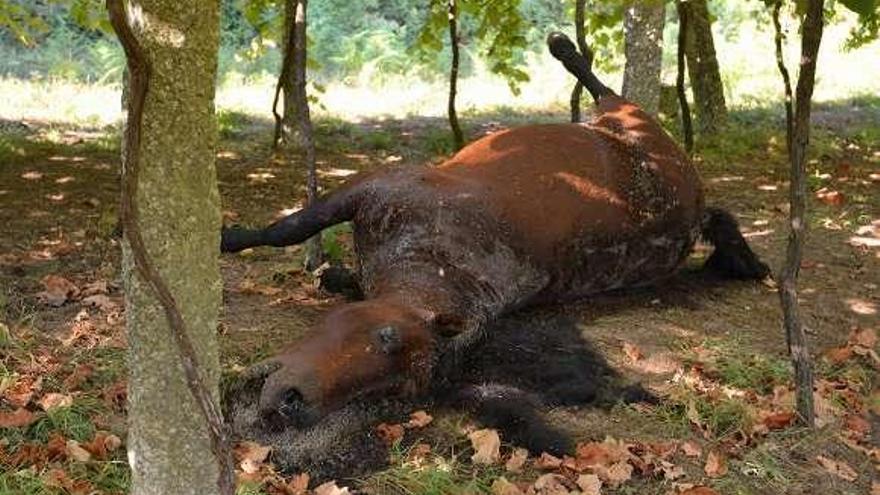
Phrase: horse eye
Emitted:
{"points": [[389, 339]]}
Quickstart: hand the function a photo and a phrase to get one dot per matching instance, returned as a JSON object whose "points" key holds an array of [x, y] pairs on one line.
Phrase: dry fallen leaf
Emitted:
{"points": [[547, 462], [17, 419], [778, 421], [102, 302], [857, 426], [57, 290], [551, 484], [671, 471], [58, 478], [76, 452], [838, 355], [419, 419], [863, 337], [838, 468], [830, 196], [330, 488], [615, 474], [590, 484], [503, 487], [875, 488], [691, 449], [699, 490], [487, 446], [102, 444], [389, 433], [632, 351], [298, 485], [251, 456], [419, 451], [54, 400], [516, 460], [715, 465]]}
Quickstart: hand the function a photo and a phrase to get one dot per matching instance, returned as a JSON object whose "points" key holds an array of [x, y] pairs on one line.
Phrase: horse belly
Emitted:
{"points": [[594, 267]]}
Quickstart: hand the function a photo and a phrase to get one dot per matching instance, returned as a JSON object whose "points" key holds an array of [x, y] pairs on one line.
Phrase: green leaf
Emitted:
{"points": [[861, 7]]}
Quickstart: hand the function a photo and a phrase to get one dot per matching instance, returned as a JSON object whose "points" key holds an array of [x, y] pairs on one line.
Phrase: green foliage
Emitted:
{"points": [[497, 26], [17, 17]]}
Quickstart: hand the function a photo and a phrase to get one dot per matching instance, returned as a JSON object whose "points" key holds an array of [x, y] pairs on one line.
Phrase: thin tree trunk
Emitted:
{"points": [[581, 39], [786, 79], [702, 64], [171, 217], [457, 135], [284, 86], [794, 330], [643, 24], [687, 126], [314, 252]]}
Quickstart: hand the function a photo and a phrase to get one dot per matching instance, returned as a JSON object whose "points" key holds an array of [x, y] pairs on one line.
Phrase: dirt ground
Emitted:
{"points": [[58, 189]]}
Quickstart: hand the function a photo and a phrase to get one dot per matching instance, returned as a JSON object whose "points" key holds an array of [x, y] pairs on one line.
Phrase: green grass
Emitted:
{"points": [[754, 372], [437, 477], [23, 482], [230, 123], [335, 250], [720, 417], [73, 422]]}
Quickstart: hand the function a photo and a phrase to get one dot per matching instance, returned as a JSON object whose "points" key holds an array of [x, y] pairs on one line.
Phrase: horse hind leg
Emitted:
{"points": [[732, 258]]}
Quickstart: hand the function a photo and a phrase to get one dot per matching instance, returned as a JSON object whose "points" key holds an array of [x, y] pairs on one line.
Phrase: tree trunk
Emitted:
{"points": [[581, 39], [285, 85], [300, 103], [643, 47], [457, 135], [171, 215], [811, 30], [703, 70], [687, 127]]}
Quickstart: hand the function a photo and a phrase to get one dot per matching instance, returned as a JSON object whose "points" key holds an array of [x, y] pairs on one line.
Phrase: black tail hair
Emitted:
{"points": [[580, 65], [732, 258]]}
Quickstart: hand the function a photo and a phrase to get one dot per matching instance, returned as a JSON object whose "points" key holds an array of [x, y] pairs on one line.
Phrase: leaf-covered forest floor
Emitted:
{"points": [[713, 352]]}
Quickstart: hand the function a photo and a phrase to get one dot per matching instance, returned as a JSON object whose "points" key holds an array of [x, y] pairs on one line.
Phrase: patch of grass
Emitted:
{"points": [[73, 422], [334, 249], [230, 123], [754, 372], [107, 477], [378, 140], [438, 141], [436, 477], [23, 482], [249, 488], [721, 417], [766, 464]]}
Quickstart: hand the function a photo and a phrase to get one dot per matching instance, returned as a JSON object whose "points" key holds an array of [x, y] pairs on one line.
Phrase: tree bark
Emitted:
{"points": [[581, 39], [457, 135], [687, 126], [786, 79], [285, 85], [705, 76], [643, 46], [811, 30], [300, 101], [171, 216]]}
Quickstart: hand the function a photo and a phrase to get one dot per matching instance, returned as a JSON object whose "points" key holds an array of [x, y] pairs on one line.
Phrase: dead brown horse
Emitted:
{"points": [[528, 215]]}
